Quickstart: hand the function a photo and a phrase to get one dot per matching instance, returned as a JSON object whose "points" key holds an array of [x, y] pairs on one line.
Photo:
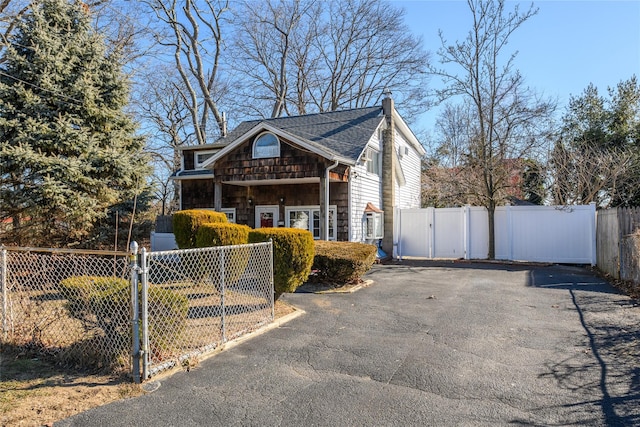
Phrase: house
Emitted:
{"points": [[342, 175]]}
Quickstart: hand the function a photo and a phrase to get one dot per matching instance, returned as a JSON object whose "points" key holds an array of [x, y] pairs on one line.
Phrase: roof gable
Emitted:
{"points": [[335, 135]]}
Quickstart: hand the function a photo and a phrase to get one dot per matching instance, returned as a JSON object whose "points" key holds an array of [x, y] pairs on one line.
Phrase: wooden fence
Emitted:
{"points": [[164, 224], [612, 227]]}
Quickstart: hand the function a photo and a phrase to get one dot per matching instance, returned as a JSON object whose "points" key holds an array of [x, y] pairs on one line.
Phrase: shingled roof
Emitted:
{"points": [[344, 133]]}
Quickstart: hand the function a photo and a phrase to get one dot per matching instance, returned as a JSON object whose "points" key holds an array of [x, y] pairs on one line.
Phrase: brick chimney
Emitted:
{"points": [[388, 172]]}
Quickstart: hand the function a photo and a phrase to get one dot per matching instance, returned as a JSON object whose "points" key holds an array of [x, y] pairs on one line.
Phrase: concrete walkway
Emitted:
{"points": [[427, 344]]}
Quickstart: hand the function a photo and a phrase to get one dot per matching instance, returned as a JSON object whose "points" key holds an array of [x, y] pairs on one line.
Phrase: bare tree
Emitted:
{"points": [[307, 55], [364, 47], [10, 13], [596, 156], [268, 50], [508, 120], [194, 33], [453, 127], [161, 109], [589, 174], [125, 27]]}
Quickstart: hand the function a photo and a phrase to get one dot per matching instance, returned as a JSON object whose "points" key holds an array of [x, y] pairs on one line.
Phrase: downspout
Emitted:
{"points": [[326, 199]]}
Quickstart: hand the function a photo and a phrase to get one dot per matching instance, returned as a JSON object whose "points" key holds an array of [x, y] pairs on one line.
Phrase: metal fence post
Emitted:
{"points": [[144, 301], [135, 321], [223, 327], [271, 283], [3, 279]]}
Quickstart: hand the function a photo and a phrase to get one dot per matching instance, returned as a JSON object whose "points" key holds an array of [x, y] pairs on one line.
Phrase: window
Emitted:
{"points": [[374, 225], [371, 158], [203, 156], [231, 214], [266, 145], [308, 218]]}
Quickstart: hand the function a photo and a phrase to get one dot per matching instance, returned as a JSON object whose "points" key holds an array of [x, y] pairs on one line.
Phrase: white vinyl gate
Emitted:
{"points": [[522, 233]]}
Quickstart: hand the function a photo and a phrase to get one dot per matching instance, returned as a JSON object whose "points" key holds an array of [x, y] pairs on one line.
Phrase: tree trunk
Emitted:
{"points": [[491, 215]]}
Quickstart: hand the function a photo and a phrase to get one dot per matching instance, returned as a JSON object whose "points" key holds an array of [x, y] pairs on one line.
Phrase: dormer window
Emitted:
{"points": [[266, 145], [201, 157]]}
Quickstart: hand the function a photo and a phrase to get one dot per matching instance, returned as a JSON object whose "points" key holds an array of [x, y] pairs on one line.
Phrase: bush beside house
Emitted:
{"points": [[186, 224], [293, 251], [235, 259], [341, 263], [221, 234]]}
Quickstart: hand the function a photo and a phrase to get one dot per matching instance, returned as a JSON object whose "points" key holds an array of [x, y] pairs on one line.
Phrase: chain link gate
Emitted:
{"points": [[192, 301], [144, 311]]}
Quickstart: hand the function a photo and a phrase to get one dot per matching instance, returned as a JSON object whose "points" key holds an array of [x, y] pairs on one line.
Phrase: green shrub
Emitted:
{"points": [[235, 259], [341, 263], [292, 256], [104, 302], [168, 312], [221, 234], [186, 224], [86, 296]]}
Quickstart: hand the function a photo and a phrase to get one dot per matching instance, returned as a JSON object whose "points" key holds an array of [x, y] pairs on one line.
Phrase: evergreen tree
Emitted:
{"points": [[597, 157], [69, 151]]}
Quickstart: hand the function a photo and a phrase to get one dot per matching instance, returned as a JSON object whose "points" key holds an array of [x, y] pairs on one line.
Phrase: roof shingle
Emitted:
{"points": [[345, 133]]}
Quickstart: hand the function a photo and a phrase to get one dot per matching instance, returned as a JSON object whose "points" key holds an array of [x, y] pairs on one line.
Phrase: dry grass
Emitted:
{"points": [[35, 393]]}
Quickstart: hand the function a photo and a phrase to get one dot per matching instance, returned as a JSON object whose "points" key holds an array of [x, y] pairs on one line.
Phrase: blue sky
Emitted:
{"points": [[562, 49]]}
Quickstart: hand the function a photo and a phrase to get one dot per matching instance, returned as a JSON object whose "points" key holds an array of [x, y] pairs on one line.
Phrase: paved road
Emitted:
{"points": [[427, 344]]}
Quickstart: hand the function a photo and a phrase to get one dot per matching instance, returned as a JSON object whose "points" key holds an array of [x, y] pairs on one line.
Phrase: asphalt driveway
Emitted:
{"points": [[427, 344]]}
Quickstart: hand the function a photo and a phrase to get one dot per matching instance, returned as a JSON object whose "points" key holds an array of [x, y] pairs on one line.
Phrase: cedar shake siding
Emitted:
{"points": [[294, 195], [197, 193], [339, 154], [189, 159], [293, 163]]}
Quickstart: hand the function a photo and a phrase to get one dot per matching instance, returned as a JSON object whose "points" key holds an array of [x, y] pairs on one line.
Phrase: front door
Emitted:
{"points": [[267, 216]]}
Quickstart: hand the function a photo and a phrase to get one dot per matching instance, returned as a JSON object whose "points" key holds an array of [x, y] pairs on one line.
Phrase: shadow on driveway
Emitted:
{"points": [[613, 340]]}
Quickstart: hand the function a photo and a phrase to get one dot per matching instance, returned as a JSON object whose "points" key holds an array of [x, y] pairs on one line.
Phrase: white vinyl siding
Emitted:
{"points": [[365, 188], [408, 195]]}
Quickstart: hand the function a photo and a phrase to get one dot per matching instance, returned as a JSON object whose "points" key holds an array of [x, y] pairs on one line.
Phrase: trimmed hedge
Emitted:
{"points": [[292, 256], [221, 234], [104, 302], [168, 312], [186, 224], [226, 234], [341, 263]]}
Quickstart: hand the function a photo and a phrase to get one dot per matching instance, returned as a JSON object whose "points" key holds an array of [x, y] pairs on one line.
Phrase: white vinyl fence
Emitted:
{"points": [[522, 233]]}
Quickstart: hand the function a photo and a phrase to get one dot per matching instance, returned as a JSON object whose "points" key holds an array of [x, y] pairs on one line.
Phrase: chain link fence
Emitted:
{"points": [[45, 308], [198, 299], [140, 313]]}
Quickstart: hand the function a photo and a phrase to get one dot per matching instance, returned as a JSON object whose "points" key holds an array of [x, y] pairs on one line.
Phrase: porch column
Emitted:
{"points": [[324, 201], [324, 231], [217, 195]]}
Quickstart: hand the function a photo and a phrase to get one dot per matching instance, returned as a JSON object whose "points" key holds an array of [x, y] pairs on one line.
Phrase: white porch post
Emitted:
{"points": [[324, 202]]}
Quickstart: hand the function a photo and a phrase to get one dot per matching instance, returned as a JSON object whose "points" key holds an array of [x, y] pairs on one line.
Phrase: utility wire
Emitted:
{"points": [[75, 101]]}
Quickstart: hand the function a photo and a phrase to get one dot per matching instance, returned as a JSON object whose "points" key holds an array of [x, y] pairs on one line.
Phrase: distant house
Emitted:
{"points": [[341, 175]]}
